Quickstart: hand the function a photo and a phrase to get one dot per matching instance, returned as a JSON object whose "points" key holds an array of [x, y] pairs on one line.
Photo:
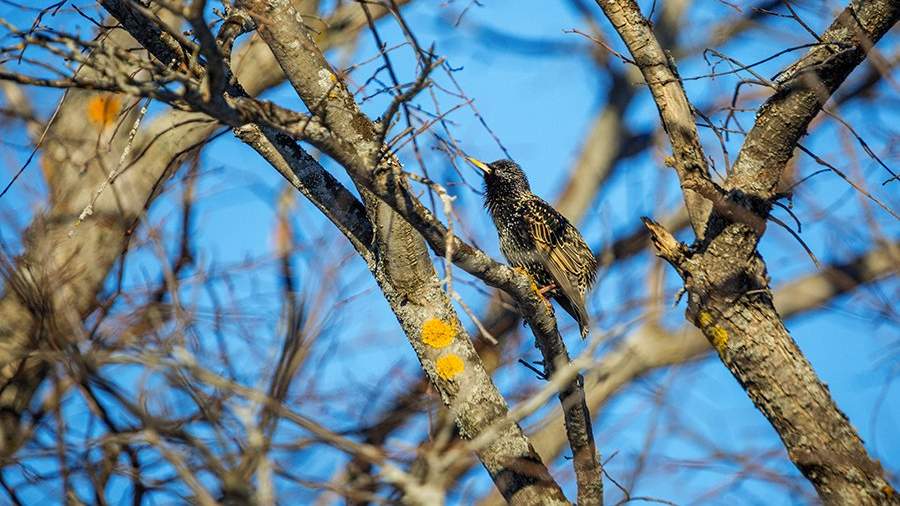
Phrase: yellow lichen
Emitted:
{"points": [[102, 110], [719, 338], [334, 90], [438, 333], [717, 334], [534, 287], [704, 318], [888, 490], [449, 366]]}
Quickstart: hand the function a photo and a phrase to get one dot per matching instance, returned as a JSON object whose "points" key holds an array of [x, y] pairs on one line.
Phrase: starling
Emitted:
{"points": [[539, 239]]}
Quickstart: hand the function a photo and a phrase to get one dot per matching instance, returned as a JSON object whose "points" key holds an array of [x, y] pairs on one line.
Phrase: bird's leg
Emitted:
{"points": [[548, 288], [535, 288]]}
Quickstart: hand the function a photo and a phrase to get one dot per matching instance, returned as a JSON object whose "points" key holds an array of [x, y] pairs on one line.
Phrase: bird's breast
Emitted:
{"points": [[515, 243]]}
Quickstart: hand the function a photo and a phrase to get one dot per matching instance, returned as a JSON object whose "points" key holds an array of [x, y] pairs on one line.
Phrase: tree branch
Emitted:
{"points": [[725, 278], [379, 172]]}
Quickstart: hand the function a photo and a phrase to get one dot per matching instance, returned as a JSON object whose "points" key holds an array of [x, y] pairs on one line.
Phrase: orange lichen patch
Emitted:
{"points": [[449, 366], [888, 490], [102, 110], [438, 333]]}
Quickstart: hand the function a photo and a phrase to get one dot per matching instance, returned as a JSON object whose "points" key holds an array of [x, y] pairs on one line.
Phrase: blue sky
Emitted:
{"points": [[539, 99]]}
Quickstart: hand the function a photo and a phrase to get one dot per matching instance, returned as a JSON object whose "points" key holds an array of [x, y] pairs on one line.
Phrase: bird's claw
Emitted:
{"points": [[548, 288]]}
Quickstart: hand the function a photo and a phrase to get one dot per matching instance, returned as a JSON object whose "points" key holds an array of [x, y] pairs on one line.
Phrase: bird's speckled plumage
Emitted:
{"points": [[535, 236]]}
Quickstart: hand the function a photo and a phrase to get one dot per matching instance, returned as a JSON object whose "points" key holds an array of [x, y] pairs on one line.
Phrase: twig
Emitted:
{"points": [[114, 173]]}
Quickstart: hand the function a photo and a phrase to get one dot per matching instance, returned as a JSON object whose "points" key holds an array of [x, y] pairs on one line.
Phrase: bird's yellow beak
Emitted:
{"points": [[479, 164]]}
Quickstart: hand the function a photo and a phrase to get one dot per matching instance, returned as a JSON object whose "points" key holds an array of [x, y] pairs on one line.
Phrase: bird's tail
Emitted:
{"points": [[577, 309], [585, 329]]}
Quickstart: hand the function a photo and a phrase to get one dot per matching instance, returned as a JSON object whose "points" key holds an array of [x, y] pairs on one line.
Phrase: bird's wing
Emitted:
{"points": [[550, 231]]}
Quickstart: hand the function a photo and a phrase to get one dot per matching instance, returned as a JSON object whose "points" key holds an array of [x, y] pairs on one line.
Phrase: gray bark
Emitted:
{"points": [[725, 278], [401, 264]]}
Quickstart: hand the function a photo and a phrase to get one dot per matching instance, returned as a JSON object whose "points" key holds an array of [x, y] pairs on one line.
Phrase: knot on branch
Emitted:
{"points": [[667, 246], [237, 23]]}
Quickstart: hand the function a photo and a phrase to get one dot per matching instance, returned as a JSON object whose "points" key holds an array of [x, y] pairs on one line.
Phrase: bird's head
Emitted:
{"points": [[502, 177]]}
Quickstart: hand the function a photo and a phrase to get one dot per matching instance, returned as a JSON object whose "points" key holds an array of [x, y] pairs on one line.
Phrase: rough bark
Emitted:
{"points": [[725, 278], [674, 109], [356, 146], [400, 263], [651, 347]]}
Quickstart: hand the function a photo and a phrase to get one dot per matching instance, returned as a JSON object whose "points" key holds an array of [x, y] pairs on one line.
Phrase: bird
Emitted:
{"points": [[537, 238]]}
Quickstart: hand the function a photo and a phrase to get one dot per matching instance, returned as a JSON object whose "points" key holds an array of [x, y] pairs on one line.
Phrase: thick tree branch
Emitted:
{"points": [[407, 278], [518, 471], [379, 172], [725, 278], [651, 347], [803, 89], [675, 111]]}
